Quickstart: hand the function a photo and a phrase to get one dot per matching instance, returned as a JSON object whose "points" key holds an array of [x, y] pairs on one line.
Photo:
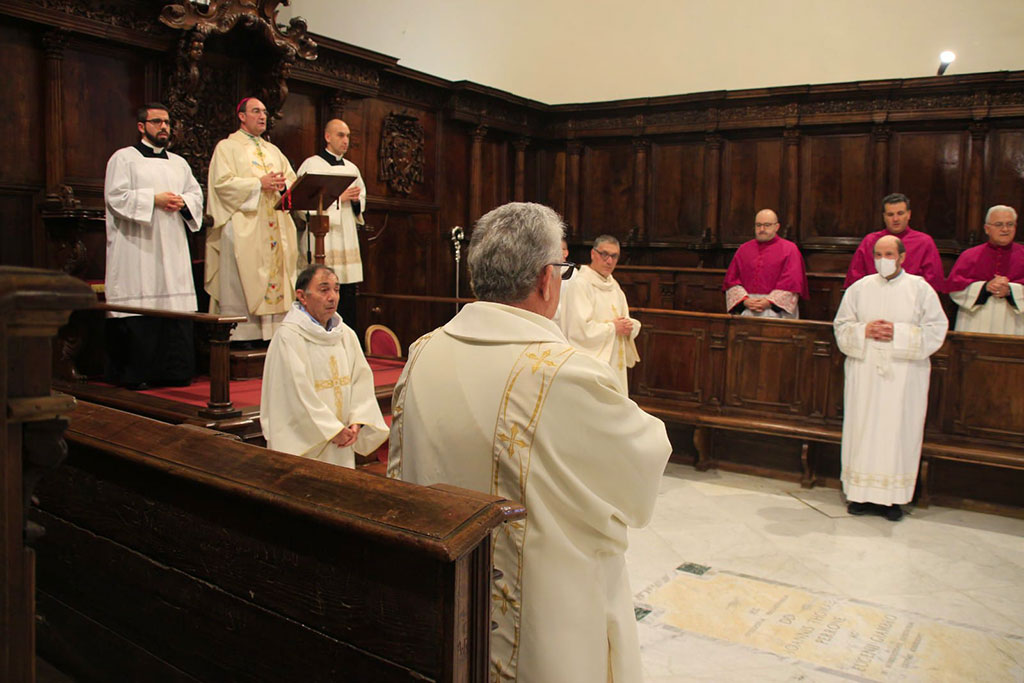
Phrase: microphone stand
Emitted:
{"points": [[457, 236]]}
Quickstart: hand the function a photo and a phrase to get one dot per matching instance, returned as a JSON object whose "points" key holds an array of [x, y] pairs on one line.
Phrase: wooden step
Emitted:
{"points": [[247, 364]]}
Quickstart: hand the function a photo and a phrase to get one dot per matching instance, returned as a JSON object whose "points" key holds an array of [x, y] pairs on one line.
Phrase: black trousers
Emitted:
{"points": [[157, 351]]}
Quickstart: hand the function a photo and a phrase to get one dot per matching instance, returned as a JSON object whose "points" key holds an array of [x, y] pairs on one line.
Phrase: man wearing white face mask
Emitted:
{"points": [[888, 324]]}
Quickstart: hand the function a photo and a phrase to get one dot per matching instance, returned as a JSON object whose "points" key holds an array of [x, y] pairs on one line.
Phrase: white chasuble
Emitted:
{"points": [[994, 316], [886, 388], [250, 249], [496, 401], [315, 383], [593, 302], [148, 261], [341, 244]]}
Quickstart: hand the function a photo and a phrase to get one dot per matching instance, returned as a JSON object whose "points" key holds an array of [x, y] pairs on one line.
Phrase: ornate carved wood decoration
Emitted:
{"points": [[401, 152], [199, 126]]}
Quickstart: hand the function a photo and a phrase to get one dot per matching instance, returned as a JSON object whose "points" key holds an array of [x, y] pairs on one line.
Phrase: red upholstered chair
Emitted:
{"points": [[381, 341]]}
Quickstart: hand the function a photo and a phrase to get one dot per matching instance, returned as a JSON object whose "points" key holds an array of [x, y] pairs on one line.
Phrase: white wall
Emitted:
{"points": [[561, 51]]}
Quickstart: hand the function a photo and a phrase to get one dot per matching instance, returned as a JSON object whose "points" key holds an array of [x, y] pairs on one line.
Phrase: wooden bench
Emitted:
{"points": [[722, 374]]}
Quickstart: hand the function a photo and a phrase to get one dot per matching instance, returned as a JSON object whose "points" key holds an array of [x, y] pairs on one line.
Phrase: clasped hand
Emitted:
{"points": [[169, 201], [759, 304], [879, 330], [346, 437], [999, 286], [623, 325], [272, 182]]}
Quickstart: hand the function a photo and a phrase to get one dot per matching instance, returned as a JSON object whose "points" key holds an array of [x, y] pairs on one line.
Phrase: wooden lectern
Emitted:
{"points": [[312, 192]]}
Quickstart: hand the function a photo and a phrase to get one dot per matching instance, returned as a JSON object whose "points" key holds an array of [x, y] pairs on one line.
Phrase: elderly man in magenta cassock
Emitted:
{"points": [[318, 397], [250, 249], [987, 281], [766, 277], [922, 256], [152, 199], [595, 315], [341, 244], [888, 324], [498, 402]]}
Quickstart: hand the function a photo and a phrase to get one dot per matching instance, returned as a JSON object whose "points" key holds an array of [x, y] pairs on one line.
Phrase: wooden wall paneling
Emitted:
{"points": [[676, 192], [299, 132], [497, 175], [980, 408], [101, 91], [361, 149], [453, 196], [21, 239], [411, 255], [22, 125], [606, 184], [552, 164], [375, 111], [790, 214], [1004, 170], [929, 167], [752, 171], [519, 169], [880, 136], [696, 291], [972, 231], [712, 185], [678, 369], [769, 368], [641, 150], [836, 197]]}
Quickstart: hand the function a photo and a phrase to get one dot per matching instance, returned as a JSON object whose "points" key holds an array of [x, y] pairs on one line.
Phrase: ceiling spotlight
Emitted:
{"points": [[945, 59]]}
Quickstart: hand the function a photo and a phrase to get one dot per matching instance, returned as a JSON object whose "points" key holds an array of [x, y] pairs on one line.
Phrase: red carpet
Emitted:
{"points": [[245, 393]]}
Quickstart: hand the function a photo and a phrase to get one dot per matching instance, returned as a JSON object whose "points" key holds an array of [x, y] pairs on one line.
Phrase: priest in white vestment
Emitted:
{"points": [[250, 249], [151, 200], [497, 401], [595, 315], [318, 397], [888, 325], [987, 281], [341, 244]]}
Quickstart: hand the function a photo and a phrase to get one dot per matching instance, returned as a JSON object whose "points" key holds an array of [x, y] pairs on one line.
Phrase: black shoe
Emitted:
{"points": [[893, 513], [139, 386], [858, 508]]}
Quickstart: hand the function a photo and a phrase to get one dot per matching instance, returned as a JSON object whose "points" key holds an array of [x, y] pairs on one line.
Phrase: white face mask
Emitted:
{"points": [[886, 267]]}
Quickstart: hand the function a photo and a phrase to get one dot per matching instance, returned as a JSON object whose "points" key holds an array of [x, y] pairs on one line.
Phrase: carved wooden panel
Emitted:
{"points": [[674, 355], [987, 372], [551, 178], [929, 167], [497, 158], [751, 181], [101, 93], [376, 111], [767, 368], [607, 191], [676, 192], [21, 126], [700, 291], [298, 133], [836, 188], [410, 255], [454, 182], [1004, 172]]}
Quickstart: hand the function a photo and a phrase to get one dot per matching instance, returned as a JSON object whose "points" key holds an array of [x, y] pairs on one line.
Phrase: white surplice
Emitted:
{"points": [[995, 316], [315, 383], [250, 249], [341, 244], [497, 401], [588, 309], [148, 262], [885, 397]]}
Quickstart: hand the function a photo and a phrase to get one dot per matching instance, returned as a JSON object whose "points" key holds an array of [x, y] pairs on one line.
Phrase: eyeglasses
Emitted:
{"points": [[765, 225], [159, 122], [258, 111], [567, 269], [606, 256], [1000, 225]]}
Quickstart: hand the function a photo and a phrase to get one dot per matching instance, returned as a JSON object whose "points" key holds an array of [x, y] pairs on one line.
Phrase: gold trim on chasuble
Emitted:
{"points": [[395, 439], [518, 416], [335, 383], [274, 294]]}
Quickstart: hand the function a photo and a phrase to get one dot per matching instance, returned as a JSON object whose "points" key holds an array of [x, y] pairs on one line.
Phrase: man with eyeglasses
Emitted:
{"points": [[251, 252], [496, 401], [151, 199], [595, 315], [922, 255], [766, 277], [987, 281]]}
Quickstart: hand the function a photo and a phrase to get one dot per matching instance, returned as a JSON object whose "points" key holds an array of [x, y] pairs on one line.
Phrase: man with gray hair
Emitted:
{"points": [[595, 315], [497, 401], [987, 281]]}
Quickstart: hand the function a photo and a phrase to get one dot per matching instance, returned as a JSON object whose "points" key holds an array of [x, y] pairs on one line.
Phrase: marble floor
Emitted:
{"points": [[742, 578]]}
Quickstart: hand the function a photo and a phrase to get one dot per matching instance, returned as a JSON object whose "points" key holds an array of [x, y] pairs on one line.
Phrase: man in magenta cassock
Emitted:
{"points": [[766, 277], [922, 256]]}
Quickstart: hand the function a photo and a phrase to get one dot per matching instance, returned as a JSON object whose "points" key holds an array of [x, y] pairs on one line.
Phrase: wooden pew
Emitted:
{"points": [[700, 289], [173, 553], [725, 375]]}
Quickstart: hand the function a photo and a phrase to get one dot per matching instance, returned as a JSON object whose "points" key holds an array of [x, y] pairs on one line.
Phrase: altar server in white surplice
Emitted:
{"points": [[497, 401], [318, 399], [888, 324], [341, 244], [595, 315], [151, 199], [250, 248]]}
